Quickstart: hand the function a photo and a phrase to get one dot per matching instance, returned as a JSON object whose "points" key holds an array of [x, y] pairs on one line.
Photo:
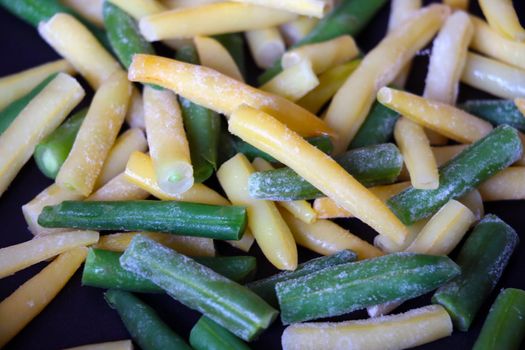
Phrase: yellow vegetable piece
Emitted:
{"points": [[140, 8], [380, 66], [474, 202], [91, 10], [388, 246], [167, 141], [52, 195], [114, 345], [410, 329], [520, 103], [191, 246], [323, 55], [73, 41], [489, 42], [96, 135], [130, 141], [444, 230], [38, 119], [328, 209], [213, 55], [400, 11], [521, 161], [457, 4], [329, 82], [445, 153], [139, 171], [297, 29], [18, 309], [209, 88], [19, 256], [210, 19], [314, 8], [300, 209], [449, 53], [502, 16], [269, 135], [118, 189], [443, 118], [293, 82], [326, 237], [419, 159], [508, 184], [494, 77], [135, 114], [15, 86], [268, 227], [187, 3], [266, 46]]}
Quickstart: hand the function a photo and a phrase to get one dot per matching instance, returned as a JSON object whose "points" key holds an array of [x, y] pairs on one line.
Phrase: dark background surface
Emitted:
{"points": [[79, 315]]}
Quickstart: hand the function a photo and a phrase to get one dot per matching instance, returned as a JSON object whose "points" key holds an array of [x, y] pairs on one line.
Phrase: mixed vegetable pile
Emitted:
{"points": [[326, 132]]}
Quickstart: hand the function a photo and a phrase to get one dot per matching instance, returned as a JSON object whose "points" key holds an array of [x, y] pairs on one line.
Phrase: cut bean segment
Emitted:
{"points": [[143, 323], [19, 256], [396, 332], [482, 259], [181, 218], [18, 309], [167, 141], [443, 118], [96, 135], [495, 77], [504, 327], [269, 229], [475, 164], [344, 288], [229, 304]]}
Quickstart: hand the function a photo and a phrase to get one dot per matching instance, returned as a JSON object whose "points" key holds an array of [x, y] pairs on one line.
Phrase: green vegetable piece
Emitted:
{"points": [[371, 165], [203, 128], [504, 327], [497, 112], [227, 145], [231, 305], [322, 142], [102, 269], [143, 323], [36, 11], [9, 113], [377, 128], [347, 287], [124, 34], [350, 17], [52, 152], [234, 43], [265, 287], [208, 335], [477, 163], [180, 218], [482, 258]]}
